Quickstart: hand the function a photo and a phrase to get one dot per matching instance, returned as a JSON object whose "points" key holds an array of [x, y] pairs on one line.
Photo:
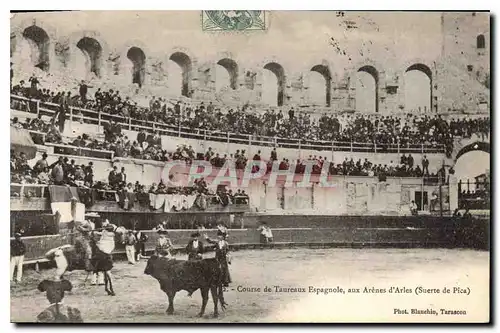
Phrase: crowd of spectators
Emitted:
{"points": [[61, 172], [42, 131], [377, 129]]}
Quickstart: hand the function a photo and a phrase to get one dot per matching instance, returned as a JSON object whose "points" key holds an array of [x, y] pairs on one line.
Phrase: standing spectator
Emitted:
{"points": [[130, 242], [34, 86], [140, 246], [17, 251], [141, 137], [274, 155], [425, 165], [57, 173], [63, 109], [112, 177], [410, 161], [122, 177], [210, 108], [434, 201], [413, 208], [83, 89]]}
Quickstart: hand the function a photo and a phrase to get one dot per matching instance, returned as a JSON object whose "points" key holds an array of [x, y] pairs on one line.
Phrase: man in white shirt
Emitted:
{"points": [[266, 235]]}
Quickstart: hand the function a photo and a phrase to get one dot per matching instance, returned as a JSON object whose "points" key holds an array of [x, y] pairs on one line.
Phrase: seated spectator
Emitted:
{"points": [[43, 176]]}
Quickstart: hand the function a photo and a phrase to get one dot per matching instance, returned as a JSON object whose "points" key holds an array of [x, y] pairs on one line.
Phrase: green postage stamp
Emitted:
{"points": [[231, 20]]}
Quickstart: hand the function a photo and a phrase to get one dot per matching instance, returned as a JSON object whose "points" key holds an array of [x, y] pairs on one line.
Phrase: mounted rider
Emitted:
{"points": [[84, 243], [106, 243]]}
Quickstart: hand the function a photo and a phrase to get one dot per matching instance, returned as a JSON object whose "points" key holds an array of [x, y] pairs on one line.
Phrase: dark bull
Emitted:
{"points": [[175, 275]]}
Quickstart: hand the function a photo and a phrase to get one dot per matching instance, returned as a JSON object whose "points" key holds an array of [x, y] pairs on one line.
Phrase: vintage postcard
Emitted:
{"points": [[244, 166]]}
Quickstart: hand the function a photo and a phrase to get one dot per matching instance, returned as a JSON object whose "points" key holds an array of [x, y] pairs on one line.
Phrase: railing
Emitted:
{"points": [[38, 137], [98, 118], [81, 151], [29, 190]]}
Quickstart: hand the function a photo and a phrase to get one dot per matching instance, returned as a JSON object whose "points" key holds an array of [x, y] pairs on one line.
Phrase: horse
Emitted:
{"points": [[73, 257]]}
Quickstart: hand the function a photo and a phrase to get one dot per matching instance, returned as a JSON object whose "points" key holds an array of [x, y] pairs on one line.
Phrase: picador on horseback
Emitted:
{"points": [[91, 252]]}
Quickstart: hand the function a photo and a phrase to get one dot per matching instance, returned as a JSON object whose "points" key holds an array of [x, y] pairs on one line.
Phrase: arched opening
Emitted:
{"points": [[39, 46], [273, 85], [480, 42], [367, 89], [92, 53], [181, 72], [226, 74], [138, 59], [418, 88], [320, 85], [472, 170]]}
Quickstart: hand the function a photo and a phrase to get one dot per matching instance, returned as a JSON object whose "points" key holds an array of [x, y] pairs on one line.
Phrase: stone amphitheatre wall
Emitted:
{"points": [[84, 45]]}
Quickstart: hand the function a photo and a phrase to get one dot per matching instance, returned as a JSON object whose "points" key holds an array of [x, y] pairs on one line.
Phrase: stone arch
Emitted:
{"points": [[186, 65], [232, 68], [279, 72], [138, 58], [325, 72], [418, 69], [39, 43], [80, 61], [362, 83], [18, 25], [93, 52], [475, 146], [480, 42]]}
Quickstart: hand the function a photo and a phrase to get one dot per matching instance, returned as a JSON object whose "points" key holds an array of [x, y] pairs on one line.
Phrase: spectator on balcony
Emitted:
{"points": [[256, 157], [274, 155], [141, 137], [43, 176], [41, 164], [70, 168], [22, 163], [122, 177], [16, 124], [209, 154], [89, 174], [425, 165], [34, 86], [410, 161], [113, 177], [210, 108], [155, 140], [404, 159], [83, 89], [19, 89]]}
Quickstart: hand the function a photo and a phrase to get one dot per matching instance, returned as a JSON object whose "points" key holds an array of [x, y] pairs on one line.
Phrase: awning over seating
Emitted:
{"points": [[20, 141]]}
